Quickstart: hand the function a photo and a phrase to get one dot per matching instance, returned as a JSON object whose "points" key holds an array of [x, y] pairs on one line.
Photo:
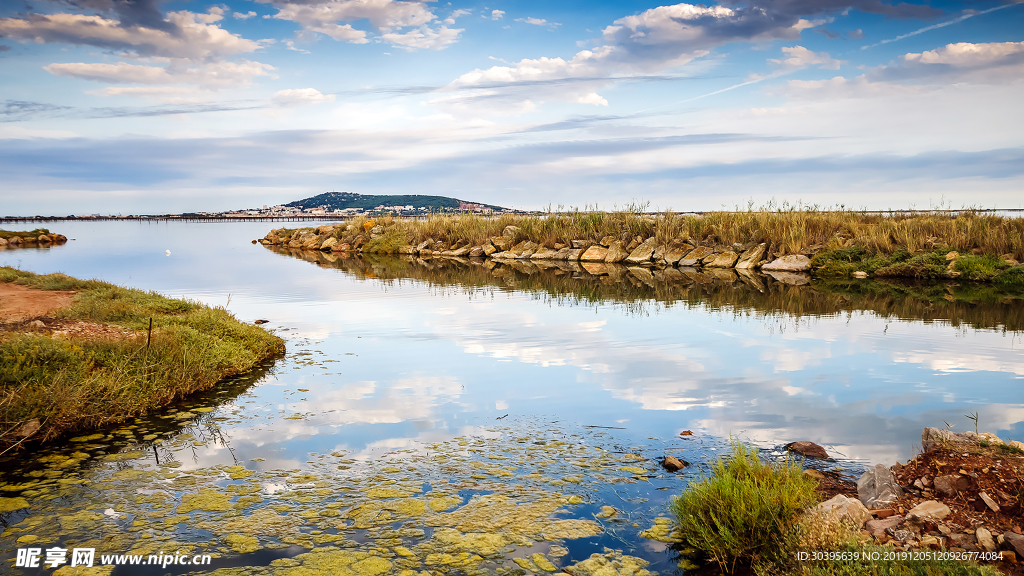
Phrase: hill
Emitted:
{"points": [[342, 200]]}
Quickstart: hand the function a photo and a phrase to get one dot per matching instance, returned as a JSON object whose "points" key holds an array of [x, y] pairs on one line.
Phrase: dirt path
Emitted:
{"points": [[18, 304]]}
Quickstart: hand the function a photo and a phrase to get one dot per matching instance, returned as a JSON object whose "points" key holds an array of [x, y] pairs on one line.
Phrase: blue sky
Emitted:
{"points": [[143, 106]]}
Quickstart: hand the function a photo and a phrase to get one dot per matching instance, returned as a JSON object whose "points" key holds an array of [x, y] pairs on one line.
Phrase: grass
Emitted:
{"points": [[76, 383], [746, 511], [5, 234]]}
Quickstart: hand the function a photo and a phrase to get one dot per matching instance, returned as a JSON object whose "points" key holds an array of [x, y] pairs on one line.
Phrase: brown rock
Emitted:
{"points": [[573, 254], [477, 251], [696, 255], [641, 253], [808, 449], [343, 247], [616, 253], [883, 512], [791, 263], [989, 501], [489, 249], [674, 255], [44, 239], [27, 429], [723, 260], [607, 241], [951, 484], [815, 474], [501, 243], [595, 253], [879, 527], [673, 464], [544, 254]]}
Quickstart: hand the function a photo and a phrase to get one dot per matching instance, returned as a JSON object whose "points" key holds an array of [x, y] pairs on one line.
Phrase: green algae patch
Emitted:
{"points": [[11, 504], [662, 531], [606, 512], [334, 562], [611, 563], [241, 543], [543, 563], [633, 470], [206, 500]]}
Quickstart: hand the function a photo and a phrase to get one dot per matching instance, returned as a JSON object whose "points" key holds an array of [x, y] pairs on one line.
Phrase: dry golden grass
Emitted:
{"points": [[791, 231]]}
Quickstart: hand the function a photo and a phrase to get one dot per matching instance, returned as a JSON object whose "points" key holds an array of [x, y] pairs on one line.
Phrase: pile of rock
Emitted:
{"points": [[25, 241], [961, 494], [637, 251]]}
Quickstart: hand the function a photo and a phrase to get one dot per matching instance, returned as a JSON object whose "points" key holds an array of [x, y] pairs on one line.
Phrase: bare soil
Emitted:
{"points": [[20, 304]]}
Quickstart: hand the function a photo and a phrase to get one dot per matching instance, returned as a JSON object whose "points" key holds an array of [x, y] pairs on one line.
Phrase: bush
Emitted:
{"points": [[747, 510], [984, 267], [1011, 279]]}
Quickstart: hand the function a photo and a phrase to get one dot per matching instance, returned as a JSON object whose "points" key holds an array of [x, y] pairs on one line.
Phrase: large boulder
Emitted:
{"points": [[879, 526], [674, 254], [808, 449], [791, 263], [329, 243], [544, 254], [595, 253], [750, 258], [489, 249], [3, 242], [642, 253], [933, 438], [723, 260], [841, 508], [607, 241], [510, 232], [501, 243], [572, 254], [877, 488], [1015, 541], [616, 252], [951, 484], [693, 257]]}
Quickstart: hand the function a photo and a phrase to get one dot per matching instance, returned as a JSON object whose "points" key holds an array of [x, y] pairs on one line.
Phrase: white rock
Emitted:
{"points": [[840, 507], [791, 263]]}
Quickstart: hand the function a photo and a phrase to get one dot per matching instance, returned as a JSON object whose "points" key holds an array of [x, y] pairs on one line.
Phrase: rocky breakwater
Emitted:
{"points": [[595, 256], [30, 239], [963, 493]]}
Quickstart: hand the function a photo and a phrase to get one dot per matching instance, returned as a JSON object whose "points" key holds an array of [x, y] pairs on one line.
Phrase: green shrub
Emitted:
{"points": [[1011, 279], [906, 265], [747, 510], [983, 267]]}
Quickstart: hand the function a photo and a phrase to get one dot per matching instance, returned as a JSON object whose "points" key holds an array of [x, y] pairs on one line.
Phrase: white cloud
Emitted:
{"points": [[301, 97], [216, 74], [246, 16], [497, 14], [537, 22], [593, 98], [963, 62], [291, 46], [160, 92], [451, 18], [800, 57], [423, 37], [191, 35]]}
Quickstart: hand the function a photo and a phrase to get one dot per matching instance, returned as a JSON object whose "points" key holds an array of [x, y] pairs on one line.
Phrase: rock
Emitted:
{"points": [[990, 438], [694, 256], [877, 487], [489, 249], [929, 541], [595, 253], [501, 243], [580, 244], [14, 241], [928, 510], [477, 251], [1017, 444], [37, 324], [751, 257], [573, 254], [27, 429], [933, 438], [524, 249], [883, 512], [595, 268], [674, 255], [723, 260], [860, 274], [329, 243], [61, 238], [950, 256], [642, 253], [325, 229], [616, 253], [425, 245], [44, 239], [642, 274], [808, 449], [376, 232], [989, 501], [840, 507], [607, 241], [985, 539], [686, 433], [406, 249], [633, 244], [673, 464], [3, 242], [258, 322], [544, 254], [881, 526], [791, 263], [509, 232], [343, 247], [814, 474], [1015, 541], [901, 535], [951, 484]]}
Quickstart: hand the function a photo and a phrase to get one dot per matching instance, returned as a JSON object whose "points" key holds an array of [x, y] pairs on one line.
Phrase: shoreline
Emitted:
{"points": [[687, 242]]}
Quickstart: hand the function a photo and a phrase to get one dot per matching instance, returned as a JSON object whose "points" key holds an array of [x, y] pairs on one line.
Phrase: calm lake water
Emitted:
{"points": [[440, 367]]}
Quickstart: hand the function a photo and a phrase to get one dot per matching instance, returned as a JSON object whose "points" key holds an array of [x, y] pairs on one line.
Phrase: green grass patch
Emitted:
{"points": [[389, 243], [746, 511], [6, 234], [881, 567], [75, 383], [1011, 279]]}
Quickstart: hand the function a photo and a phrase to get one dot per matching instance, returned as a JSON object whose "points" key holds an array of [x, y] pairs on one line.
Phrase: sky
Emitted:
{"points": [[149, 106]]}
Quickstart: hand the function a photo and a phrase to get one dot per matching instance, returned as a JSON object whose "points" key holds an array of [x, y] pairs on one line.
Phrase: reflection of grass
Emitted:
{"points": [[80, 382], [747, 510]]}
